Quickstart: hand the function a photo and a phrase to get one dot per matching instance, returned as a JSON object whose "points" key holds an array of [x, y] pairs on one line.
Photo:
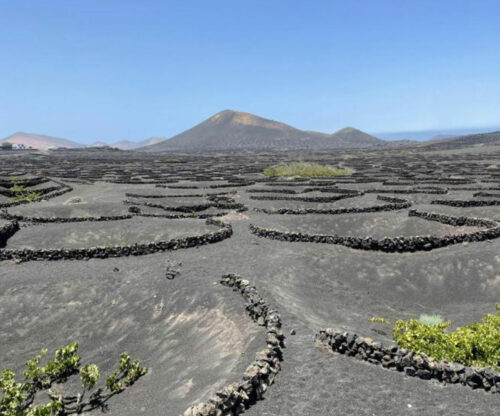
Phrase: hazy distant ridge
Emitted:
{"points": [[39, 141], [465, 141], [44, 142], [237, 131]]}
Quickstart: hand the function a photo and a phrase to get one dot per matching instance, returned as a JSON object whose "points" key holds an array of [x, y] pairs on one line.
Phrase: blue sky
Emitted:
{"points": [[109, 70]]}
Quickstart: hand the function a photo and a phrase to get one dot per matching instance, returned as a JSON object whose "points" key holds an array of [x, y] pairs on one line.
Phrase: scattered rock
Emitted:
{"points": [[73, 200]]}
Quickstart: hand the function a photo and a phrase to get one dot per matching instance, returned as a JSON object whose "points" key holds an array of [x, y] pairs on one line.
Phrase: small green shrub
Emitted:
{"points": [[17, 398], [66, 361], [306, 170], [89, 375], [476, 344], [21, 193], [430, 319], [379, 320]]}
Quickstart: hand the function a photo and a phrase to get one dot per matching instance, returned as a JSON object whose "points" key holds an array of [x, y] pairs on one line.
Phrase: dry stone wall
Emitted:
{"points": [[57, 191], [464, 204], [6, 215], [412, 364], [7, 231], [234, 398], [396, 204], [224, 231], [305, 198], [393, 244]]}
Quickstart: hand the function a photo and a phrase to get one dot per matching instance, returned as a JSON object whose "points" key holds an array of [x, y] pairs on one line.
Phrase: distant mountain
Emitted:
{"points": [[438, 137], [233, 131], [39, 141], [435, 134], [351, 137], [128, 145], [492, 138]]}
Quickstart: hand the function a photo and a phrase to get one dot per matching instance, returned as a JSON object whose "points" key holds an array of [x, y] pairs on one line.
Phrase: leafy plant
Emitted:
{"points": [[379, 320], [65, 363], [308, 170], [89, 375], [430, 319], [476, 344], [17, 398], [21, 193]]}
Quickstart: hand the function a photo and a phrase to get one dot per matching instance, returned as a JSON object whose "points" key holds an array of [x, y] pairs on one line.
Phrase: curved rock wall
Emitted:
{"points": [[37, 180], [58, 192], [306, 198], [406, 191], [454, 221], [412, 364], [236, 397], [6, 215], [394, 244], [464, 204], [397, 205], [190, 208], [225, 231], [7, 231]]}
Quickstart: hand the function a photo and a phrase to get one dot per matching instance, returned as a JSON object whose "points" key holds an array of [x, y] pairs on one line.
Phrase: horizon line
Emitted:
{"points": [[447, 130]]}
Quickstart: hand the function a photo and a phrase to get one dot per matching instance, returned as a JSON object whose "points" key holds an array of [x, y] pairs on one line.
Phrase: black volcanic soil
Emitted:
{"points": [[195, 335], [104, 233], [377, 225]]}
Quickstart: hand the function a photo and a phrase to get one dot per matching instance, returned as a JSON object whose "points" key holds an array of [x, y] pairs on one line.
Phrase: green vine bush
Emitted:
{"points": [[306, 170], [18, 398], [430, 319], [21, 193], [379, 320], [477, 344]]}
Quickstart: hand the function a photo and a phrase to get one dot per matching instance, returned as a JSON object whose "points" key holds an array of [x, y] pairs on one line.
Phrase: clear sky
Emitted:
{"points": [[91, 70]]}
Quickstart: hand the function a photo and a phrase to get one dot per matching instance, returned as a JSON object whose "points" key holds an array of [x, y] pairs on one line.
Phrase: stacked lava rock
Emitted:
{"points": [[236, 397], [412, 364]]}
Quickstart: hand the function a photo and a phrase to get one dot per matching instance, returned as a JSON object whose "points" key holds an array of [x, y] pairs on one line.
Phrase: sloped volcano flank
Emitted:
{"points": [[233, 130]]}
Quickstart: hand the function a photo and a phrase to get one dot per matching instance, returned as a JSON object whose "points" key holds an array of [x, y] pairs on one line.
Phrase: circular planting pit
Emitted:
{"points": [[489, 230], [137, 230], [491, 212], [193, 340], [376, 225], [362, 201], [80, 210]]}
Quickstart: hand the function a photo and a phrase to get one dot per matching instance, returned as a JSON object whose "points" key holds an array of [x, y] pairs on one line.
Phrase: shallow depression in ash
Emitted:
{"points": [[116, 233], [190, 335], [376, 225]]}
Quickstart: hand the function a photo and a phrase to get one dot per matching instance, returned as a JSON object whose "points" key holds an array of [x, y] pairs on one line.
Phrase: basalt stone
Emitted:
{"points": [[423, 374], [397, 244], [7, 231], [472, 378], [233, 399], [416, 365], [225, 231]]}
